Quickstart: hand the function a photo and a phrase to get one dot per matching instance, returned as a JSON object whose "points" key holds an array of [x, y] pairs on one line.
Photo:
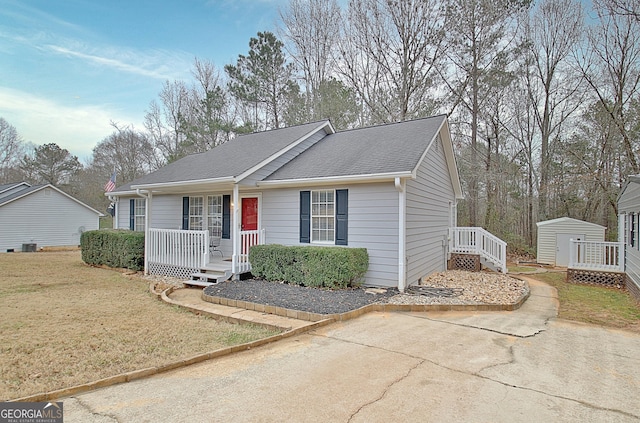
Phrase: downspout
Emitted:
{"points": [[147, 219], [235, 232], [402, 205]]}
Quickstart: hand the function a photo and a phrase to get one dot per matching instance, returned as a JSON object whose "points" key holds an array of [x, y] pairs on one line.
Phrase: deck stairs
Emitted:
{"points": [[211, 274], [491, 250]]}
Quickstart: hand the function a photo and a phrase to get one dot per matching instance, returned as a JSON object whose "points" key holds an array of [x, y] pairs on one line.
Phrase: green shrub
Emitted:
{"points": [[113, 248], [321, 267]]}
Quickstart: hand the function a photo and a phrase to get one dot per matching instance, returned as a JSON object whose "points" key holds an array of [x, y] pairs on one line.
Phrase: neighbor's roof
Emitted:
{"points": [[561, 220], [15, 196], [383, 149], [229, 160]]}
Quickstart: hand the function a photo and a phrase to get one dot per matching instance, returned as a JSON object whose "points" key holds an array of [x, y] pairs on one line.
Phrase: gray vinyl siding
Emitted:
{"points": [[46, 218], [373, 224], [428, 215], [629, 202], [548, 231], [267, 170]]}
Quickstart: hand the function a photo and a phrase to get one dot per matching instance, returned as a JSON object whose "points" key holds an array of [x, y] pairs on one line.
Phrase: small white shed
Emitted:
{"points": [[554, 236]]}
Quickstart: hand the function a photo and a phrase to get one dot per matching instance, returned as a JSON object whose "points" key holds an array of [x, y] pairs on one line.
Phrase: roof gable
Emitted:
{"points": [[231, 160], [28, 190]]}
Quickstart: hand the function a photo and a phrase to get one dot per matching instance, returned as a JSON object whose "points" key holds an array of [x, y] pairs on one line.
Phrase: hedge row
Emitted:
{"points": [[328, 267], [113, 248]]}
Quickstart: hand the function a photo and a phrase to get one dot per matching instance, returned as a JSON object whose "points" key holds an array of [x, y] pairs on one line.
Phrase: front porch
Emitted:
{"points": [[185, 253]]}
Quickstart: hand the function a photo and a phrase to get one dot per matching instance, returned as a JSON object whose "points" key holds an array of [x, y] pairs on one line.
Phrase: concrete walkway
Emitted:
{"points": [[519, 366]]}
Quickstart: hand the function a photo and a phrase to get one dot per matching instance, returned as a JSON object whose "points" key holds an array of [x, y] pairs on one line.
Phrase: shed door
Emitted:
{"points": [[562, 247]]}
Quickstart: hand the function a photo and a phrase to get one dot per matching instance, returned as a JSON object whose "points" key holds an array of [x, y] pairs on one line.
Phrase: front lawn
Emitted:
{"points": [[65, 323]]}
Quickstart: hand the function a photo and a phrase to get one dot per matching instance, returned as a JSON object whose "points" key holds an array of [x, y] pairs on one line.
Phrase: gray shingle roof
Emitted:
{"points": [[389, 148], [8, 197], [227, 160]]}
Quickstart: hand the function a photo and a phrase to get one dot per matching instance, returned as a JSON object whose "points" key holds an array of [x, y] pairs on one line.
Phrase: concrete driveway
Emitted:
{"points": [[410, 367]]}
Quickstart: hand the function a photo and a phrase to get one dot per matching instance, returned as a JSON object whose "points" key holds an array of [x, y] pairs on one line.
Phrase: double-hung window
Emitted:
{"points": [[214, 215], [323, 216], [196, 213], [139, 214]]}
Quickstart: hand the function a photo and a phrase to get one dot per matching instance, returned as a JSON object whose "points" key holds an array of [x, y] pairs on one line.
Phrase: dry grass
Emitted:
{"points": [[65, 323], [593, 304]]}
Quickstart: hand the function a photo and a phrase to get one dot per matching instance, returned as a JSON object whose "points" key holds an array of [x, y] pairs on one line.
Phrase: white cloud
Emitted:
{"points": [[150, 63], [41, 121]]}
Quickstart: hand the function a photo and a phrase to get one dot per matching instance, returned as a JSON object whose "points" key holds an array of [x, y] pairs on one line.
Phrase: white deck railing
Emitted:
{"points": [[179, 248], [472, 240], [247, 240], [595, 255]]}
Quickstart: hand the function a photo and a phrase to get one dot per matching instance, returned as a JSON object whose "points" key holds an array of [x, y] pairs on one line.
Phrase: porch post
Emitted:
{"points": [[622, 217], [235, 234]]}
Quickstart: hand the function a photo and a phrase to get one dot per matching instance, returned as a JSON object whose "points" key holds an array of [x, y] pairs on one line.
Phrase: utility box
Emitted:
{"points": [[28, 248]]}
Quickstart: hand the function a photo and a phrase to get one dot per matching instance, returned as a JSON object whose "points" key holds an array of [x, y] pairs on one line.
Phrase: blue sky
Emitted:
{"points": [[69, 67]]}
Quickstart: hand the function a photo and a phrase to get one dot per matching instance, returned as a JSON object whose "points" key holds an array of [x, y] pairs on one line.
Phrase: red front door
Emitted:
{"points": [[250, 214]]}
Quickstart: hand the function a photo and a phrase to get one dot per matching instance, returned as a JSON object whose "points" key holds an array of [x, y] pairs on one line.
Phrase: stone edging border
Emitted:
{"points": [[318, 320]]}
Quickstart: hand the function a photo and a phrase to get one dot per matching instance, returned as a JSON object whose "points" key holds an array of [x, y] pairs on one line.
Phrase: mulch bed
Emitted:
{"points": [[313, 300]]}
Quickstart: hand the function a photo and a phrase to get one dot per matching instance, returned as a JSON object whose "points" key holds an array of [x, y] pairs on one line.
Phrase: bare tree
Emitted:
{"points": [[164, 120], [210, 121], [554, 29], [611, 67], [480, 34], [311, 32], [11, 150], [389, 54]]}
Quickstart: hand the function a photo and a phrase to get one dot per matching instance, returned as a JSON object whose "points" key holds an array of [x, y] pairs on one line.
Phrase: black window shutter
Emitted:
{"points": [[185, 213], [342, 216], [132, 214], [305, 217], [226, 216]]}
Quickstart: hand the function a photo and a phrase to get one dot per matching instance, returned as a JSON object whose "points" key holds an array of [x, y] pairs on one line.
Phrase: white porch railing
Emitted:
{"points": [[247, 240], [595, 255], [472, 240], [176, 248]]}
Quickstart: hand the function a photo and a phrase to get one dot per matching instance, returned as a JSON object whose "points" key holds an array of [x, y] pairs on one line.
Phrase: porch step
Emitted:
{"points": [[201, 283], [490, 264]]}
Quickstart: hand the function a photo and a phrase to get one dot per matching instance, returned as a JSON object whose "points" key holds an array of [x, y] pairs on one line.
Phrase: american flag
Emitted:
{"points": [[111, 184]]}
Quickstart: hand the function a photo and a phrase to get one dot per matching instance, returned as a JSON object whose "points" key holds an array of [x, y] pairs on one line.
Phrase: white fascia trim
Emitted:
{"points": [[332, 180], [325, 125], [226, 179]]}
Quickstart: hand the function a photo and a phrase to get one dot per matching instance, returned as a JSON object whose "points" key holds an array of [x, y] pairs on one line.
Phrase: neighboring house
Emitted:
{"points": [[391, 189], [554, 236], [41, 216], [629, 212], [613, 264]]}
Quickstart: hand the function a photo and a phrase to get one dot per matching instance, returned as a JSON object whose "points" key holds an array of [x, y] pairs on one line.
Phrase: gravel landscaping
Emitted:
{"points": [[451, 287]]}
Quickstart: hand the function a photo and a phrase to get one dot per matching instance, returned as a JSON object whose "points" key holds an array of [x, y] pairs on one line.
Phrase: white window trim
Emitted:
{"points": [[212, 216], [139, 204], [311, 234]]}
